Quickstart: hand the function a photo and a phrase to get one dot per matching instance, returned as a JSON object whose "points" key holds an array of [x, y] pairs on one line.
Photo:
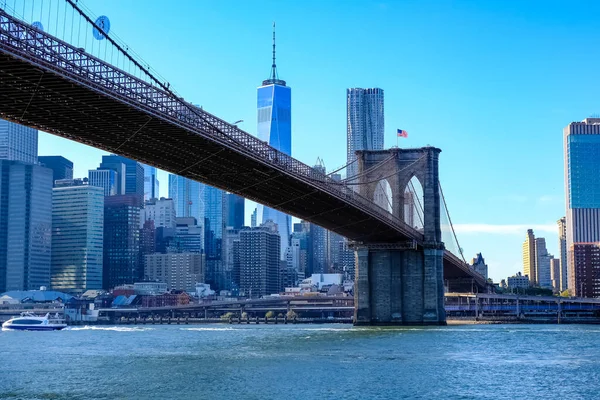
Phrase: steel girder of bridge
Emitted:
{"points": [[55, 87]]}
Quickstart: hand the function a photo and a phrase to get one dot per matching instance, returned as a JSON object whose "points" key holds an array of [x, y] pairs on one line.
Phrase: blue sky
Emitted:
{"points": [[492, 83]]}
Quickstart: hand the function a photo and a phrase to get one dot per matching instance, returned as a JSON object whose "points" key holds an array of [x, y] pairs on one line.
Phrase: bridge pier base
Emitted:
{"points": [[399, 286]]}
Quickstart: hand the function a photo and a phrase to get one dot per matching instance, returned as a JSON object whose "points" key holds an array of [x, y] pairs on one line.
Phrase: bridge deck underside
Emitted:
{"points": [[54, 104]]}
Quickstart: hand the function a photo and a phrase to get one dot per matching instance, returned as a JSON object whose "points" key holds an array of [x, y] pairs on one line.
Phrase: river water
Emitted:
{"points": [[302, 362]]}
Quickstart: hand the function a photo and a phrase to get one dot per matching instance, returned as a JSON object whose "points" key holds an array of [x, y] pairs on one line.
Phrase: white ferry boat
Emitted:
{"points": [[32, 322]]}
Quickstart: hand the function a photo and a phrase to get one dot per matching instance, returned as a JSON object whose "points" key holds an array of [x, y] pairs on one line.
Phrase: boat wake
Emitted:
{"points": [[108, 328]]}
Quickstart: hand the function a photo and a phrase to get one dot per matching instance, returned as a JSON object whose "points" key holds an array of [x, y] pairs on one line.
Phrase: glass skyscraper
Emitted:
{"points": [[150, 183], [77, 238], [215, 215], [274, 118], [18, 142], [25, 225], [134, 174], [61, 167], [365, 123], [188, 196], [582, 188]]}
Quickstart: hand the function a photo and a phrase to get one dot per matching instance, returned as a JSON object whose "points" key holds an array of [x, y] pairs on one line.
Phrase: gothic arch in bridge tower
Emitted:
{"points": [[402, 282]]}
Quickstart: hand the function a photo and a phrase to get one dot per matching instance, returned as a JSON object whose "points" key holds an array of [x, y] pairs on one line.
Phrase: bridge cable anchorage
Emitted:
{"points": [[135, 133], [33, 95], [450, 221]]}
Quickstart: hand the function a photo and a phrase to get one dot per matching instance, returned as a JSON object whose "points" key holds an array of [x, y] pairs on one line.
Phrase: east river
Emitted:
{"points": [[302, 362]]}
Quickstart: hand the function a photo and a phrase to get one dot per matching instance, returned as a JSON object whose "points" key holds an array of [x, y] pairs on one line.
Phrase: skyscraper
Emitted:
{"points": [[235, 211], [121, 263], [60, 166], [134, 174], [161, 211], [150, 183], [274, 116], [77, 238], [365, 123], [25, 225], [107, 179], [543, 264], [188, 196], [215, 214], [529, 266], [259, 260], [582, 189], [18, 142], [562, 246]]}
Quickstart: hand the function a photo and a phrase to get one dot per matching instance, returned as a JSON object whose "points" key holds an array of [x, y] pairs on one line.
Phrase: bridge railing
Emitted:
{"points": [[24, 40]]}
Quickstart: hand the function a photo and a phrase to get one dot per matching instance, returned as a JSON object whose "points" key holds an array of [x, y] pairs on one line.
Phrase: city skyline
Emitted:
{"points": [[441, 100]]}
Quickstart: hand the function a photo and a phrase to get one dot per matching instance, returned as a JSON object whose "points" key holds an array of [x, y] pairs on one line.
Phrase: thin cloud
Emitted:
{"points": [[515, 229]]}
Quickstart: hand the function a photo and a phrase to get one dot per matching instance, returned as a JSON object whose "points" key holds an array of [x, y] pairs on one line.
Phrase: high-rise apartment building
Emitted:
{"points": [[543, 264], [562, 246], [25, 225], [151, 185], [318, 238], [180, 271], [529, 265], [121, 259], [18, 142], [60, 166], [259, 260], [582, 189], [161, 211], [555, 273], [365, 123], [274, 115], [188, 197], [77, 238]]}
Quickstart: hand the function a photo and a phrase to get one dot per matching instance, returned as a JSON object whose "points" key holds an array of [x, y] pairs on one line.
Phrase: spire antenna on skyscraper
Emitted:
{"points": [[273, 77], [274, 66]]}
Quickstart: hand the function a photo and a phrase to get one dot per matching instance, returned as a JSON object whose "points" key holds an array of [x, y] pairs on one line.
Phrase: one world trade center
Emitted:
{"points": [[275, 127]]}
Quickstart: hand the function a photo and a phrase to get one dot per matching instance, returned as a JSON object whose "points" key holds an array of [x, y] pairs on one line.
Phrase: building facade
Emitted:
{"points": [[134, 174], [60, 166], [543, 264], [582, 168], [25, 225], [107, 179], [529, 265], [235, 211], [478, 264], [180, 271], [188, 197], [18, 142], [259, 261], [121, 259], [161, 211], [365, 123], [77, 238], [151, 185], [518, 281], [562, 246], [215, 214]]}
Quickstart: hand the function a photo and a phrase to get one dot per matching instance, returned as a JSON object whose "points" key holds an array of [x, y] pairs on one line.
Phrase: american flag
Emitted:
{"points": [[402, 133]]}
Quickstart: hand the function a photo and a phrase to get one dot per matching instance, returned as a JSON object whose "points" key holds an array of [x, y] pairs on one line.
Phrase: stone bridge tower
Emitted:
{"points": [[401, 283]]}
